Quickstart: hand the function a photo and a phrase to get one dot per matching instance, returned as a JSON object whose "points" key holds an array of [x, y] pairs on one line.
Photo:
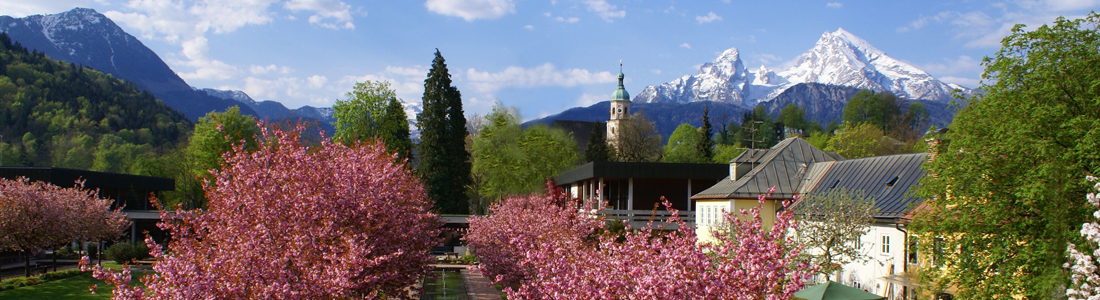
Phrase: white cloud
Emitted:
{"points": [[542, 76], [187, 24], [586, 100], [966, 82], [604, 9], [710, 17], [23, 8], [834, 5], [259, 70], [408, 71], [197, 53], [322, 10], [767, 58], [567, 20], [1071, 5], [265, 89], [986, 28], [963, 64], [316, 81], [685, 45], [529, 27], [470, 10], [656, 71]]}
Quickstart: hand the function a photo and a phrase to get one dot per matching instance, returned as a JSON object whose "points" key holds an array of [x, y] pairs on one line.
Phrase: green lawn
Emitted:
{"points": [[68, 288]]}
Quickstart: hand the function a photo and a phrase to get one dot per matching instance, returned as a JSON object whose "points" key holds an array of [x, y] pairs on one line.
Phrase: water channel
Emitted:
{"points": [[444, 284]]}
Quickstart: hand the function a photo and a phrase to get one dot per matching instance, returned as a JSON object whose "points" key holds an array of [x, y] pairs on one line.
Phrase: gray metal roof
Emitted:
{"points": [[886, 179], [642, 170], [783, 166]]}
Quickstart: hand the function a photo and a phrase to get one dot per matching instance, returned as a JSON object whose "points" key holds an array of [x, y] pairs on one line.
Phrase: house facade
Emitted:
{"points": [[796, 168]]}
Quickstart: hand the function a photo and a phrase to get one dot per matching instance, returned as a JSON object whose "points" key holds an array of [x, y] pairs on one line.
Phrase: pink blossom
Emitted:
{"points": [[545, 248], [289, 221]]}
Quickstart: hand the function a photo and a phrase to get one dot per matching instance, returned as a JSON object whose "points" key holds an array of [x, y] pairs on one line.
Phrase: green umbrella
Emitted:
{"points": [[835, 291]]}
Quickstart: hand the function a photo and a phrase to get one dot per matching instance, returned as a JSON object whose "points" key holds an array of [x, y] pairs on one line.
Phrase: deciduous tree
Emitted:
{"points": [[36, 215], [275, 227], [638, 140], [830, 225], [1004, 187], [683, 146]]}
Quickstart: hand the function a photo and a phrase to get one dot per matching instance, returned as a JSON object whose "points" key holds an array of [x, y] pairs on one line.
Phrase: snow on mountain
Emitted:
{"points": [[839, 58]]}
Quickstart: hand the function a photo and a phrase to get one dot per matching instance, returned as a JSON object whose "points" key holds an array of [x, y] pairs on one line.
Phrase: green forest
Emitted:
{"points": [[64, 115]]}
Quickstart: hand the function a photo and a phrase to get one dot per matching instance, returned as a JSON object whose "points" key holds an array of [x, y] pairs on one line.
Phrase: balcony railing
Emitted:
{"points": [[639, 218]]}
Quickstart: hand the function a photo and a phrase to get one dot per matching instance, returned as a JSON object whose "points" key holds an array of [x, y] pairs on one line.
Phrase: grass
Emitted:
{"points": [[68, 288]]}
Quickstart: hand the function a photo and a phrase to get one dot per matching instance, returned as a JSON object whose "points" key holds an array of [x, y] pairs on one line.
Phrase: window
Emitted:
{"points": [[911, 255], [885, 244]]}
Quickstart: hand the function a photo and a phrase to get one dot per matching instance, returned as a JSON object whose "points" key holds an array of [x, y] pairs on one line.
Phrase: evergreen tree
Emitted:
{"points": [[706, 144], [395, 130], [597, 149], [444, 164]]}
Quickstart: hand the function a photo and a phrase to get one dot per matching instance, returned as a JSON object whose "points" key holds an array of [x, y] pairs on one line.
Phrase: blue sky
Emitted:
{"points": [[539, 56]]}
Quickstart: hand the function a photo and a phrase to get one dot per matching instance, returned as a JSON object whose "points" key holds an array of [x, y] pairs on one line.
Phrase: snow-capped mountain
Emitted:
{"points": [[86, 37], [839, 58]]}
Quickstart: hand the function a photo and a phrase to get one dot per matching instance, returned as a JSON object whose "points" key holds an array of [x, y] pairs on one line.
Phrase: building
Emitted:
{"points": [[620, 111], [796, 168], [631, 190]]}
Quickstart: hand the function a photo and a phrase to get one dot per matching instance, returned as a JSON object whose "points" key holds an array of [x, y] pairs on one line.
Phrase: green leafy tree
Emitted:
{"points": [[638, 140], [706, 142], [597, 149], [510, 160], [757, 129], [830, 225], [360, 116], [858, 140], [683, 146], [215, 134], [395, 132], [879, 109], [726, 153], [444, 164], [794, 118], [1004, 197], [819, 139]]}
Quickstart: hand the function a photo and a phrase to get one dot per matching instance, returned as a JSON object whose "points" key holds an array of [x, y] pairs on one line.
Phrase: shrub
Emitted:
{"points": [[126, 252]]}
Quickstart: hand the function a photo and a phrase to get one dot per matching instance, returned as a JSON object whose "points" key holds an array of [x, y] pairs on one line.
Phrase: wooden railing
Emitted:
{"points": [[639, 218]]}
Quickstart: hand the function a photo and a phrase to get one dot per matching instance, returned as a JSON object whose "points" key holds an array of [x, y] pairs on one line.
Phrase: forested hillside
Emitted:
{"points": [[64, 115]]}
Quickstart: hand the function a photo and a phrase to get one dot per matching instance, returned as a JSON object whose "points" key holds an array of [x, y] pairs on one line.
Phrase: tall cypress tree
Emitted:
{"points": [[706, 145], [444, 163]]}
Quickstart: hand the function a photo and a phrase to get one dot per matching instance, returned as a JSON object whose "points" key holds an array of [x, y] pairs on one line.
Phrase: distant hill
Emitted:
{"points": [[86, 37], [666, 116], [822, 103], [65, 115]]}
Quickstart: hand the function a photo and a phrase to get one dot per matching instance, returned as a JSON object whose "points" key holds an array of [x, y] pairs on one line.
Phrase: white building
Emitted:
{"points": [[794, 167]]}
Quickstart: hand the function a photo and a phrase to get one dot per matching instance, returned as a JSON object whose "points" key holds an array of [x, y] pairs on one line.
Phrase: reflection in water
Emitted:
{"points": [[444, 284]]}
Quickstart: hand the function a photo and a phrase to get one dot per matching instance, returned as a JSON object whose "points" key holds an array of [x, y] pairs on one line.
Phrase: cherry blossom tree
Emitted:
{"points": [[1082, 266], [289, 221], [36, 215], [536, 261]]}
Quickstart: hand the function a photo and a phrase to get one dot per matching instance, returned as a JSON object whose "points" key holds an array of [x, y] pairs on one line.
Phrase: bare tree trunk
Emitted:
{"points": [[26, 263]]}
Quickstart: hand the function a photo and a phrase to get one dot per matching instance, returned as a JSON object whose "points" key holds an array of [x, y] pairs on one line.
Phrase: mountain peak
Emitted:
{"points": [[730, 54]]}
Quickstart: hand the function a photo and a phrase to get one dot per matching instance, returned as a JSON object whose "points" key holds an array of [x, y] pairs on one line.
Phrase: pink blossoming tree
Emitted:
{"points": [[536, 261], [36, 215], [1082, 266], [289, 221]]}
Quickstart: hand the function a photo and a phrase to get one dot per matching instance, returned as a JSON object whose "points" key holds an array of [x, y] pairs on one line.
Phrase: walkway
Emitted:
{"points": [[477, 286]]}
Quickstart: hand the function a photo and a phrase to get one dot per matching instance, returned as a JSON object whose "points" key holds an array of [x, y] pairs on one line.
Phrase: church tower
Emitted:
{"points": [[620, 111]]}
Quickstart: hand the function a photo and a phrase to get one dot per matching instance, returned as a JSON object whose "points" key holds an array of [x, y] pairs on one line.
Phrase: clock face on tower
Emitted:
{"points": [[620, 110]]}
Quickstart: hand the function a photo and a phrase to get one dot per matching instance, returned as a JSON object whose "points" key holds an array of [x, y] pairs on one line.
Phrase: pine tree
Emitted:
{"points": [[597, 149], [444, 164], [395, 130], [706, 145]]}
